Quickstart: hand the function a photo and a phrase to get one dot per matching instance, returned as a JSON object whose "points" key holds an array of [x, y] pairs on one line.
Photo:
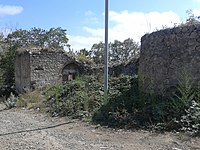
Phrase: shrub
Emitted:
{"points": [[191, 121], [31, 100], [185, 93], [121, 101], [186, 105], [126, 106], [11, 101], [76, 98]]}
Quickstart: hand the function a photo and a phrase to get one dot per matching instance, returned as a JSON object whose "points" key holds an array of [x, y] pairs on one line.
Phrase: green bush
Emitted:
{"points": [[126, 106], [32, 99], [77, 98], [11, 101], [191, 120]]}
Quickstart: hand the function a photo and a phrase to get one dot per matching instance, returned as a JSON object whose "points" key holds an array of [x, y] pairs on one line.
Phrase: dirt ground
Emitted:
{"points": [[22, 129]]}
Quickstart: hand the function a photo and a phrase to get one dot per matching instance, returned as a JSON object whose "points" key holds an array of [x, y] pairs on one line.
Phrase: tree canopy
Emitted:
{"points": [[37, 37], [118, 51]]}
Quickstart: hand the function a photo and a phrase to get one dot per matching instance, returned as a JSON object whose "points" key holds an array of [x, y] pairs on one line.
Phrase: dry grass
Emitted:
{"points": [[31, 100]]}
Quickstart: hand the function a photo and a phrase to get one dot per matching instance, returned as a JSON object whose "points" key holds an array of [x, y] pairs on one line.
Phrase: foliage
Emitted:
{"points": [[73, 98], [6, 68], [185, 93], [191, 120], [187, 105], [123, 51], [121, 99], [30, 100], [126, 106], [97, 53], [36, 37], [11, 101], [118, 51], [84, 56], [135, 109], [130, 108]]}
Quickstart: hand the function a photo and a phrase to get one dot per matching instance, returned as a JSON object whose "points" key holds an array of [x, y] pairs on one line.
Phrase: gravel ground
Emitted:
{"points": [[22, 129]]}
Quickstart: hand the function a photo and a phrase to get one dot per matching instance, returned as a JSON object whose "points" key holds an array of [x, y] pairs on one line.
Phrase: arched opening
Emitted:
{"points": [[70, 72]]}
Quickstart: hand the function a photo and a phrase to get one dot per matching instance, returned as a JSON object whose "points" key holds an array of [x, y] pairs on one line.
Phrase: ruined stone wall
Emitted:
{"points": [[46, 68], [35, 69], [22, 71], [130, 68], [165, 54]]}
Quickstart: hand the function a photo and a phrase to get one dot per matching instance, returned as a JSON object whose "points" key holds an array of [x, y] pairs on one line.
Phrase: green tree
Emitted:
{"points": [[118, 51], [124, 51], [36, 37], [1, 56], [56, 38], [97, 52]]}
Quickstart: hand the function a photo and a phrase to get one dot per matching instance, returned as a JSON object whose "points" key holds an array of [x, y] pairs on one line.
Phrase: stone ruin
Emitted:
{"points": [[38, 68], [166, 54], [129, 68], [163, 57]]}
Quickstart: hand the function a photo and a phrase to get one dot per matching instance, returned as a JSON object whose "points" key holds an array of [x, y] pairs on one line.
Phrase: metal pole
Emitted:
{"points": [[106, 50]]}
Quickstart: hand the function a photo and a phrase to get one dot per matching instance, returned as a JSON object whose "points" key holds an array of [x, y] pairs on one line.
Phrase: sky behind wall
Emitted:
{"points": [[84, 19]]}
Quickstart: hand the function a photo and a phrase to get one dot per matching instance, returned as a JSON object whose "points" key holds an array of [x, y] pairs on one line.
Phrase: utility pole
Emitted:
{"points": [[106, 51]]}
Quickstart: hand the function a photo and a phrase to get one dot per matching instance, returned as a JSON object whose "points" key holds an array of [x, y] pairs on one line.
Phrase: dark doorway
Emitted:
{"points": [[70, 72]]}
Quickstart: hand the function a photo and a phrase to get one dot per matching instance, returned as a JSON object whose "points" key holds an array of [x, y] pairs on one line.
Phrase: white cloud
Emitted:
{"points": [[196, 12], [10, 10], [124, 25], [80, 42], [89, 13], [91, 17], [198, 1]]}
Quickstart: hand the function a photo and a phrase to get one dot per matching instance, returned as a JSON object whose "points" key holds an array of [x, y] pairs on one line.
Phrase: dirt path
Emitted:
{"points": [[24, 129]]}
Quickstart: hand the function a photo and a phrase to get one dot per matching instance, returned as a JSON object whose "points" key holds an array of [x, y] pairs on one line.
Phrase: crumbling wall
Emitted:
{"points": [[165, 54], [37, 68], [128, 68], [46, 68], [22, 71]]}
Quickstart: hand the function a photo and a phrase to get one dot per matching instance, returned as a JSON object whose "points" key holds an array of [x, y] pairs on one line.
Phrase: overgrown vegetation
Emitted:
{"points": [[126, 106], [31, 100], [77, 98], [187, 104]]}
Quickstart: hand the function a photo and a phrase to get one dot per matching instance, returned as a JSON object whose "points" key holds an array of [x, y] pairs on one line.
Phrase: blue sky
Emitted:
{"points": [[84, 19]]}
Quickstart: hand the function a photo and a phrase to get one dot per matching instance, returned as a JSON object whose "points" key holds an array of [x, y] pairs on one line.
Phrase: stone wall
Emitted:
{"points": [[35, 69], [46, 68], [165, 54], [129, 68], [22, 71]]}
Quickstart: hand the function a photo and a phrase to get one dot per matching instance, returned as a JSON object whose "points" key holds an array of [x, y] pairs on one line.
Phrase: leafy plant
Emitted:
{"points": [[73, 98], [184, 95], [11, 101], [30, 100], [191, 121]]}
